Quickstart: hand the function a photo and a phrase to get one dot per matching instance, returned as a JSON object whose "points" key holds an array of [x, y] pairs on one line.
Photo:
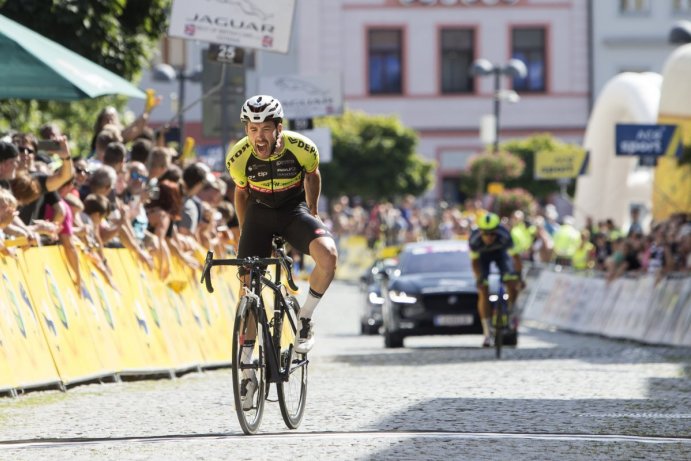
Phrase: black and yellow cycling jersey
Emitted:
{"points": [[278, 179]]}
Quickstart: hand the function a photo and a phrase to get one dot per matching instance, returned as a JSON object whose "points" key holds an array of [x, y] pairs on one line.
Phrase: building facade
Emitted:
{"points": [[412, 59]]}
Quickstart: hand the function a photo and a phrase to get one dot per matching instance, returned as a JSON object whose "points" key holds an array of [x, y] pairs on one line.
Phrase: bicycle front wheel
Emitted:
{"points": [[292, 394], [249, 366], [499, 324]]}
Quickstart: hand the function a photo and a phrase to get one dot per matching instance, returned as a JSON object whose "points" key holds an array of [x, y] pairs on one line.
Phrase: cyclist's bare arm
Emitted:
{"points": [[313, 184], [241, 200]]}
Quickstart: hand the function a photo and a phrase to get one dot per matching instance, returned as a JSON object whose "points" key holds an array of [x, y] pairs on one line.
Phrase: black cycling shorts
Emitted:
{"points": [[292, 221], [503, 261]]}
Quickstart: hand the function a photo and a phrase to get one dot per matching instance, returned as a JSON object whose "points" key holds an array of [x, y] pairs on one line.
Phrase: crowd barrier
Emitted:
{"points": [[626, 308], [55, 335]]}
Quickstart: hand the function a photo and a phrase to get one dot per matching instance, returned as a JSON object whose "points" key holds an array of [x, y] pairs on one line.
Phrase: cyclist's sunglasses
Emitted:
{"points": [[488, 232]]}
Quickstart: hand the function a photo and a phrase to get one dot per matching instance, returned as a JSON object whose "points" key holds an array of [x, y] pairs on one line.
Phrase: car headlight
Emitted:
{"points": [[374, 298], [401, 297]]}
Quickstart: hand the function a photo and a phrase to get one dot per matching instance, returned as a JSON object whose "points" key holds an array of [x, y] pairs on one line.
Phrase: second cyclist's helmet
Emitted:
{"points": [[261, 108], [488, 222]]}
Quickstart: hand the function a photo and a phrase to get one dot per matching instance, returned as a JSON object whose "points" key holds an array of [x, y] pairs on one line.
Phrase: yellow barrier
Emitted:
{"points": [[53, 333], [354, 256], [65, 325], [28, 361]]}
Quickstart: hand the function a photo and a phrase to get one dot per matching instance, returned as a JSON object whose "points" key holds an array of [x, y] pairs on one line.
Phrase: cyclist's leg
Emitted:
{"points": [[255, 240], [310, 236], [508, 276], [483, 264]]}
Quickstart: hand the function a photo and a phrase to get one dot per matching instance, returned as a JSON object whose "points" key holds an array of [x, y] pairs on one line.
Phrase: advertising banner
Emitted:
{"points": [[306, 96], [243, 23], [21, 337], [648, 140], [555, 165], [62, 318], [141, 308]]}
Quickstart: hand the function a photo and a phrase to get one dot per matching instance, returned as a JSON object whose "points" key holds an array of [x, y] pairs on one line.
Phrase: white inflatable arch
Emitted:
{"points": [[613, 183]]}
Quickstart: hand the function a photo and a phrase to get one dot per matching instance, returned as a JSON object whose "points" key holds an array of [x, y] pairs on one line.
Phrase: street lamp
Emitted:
{"points": [[514, 68], [167, 73]]}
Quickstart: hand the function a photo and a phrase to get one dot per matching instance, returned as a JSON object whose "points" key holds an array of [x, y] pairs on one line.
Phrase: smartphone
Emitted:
{"points": [[49, 145]]}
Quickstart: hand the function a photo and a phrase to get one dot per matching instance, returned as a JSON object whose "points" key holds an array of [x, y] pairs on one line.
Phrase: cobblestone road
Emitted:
{"points": [[557, 396]]}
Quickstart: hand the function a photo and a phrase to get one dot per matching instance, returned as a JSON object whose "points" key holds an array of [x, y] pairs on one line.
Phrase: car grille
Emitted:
{"points": [[450, 303]]}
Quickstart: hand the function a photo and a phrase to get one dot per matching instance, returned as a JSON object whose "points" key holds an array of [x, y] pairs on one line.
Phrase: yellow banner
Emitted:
{"points": [[63, 320], [672, 184], [556, 165], [28, 354], [141, 309]]}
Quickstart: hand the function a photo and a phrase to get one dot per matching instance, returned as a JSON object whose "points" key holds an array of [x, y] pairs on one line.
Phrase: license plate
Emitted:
{"points": [[453, 320]]}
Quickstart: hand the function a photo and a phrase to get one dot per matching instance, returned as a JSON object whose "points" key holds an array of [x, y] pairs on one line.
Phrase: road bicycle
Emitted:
{"points": [[504, 332], [273, 358]]}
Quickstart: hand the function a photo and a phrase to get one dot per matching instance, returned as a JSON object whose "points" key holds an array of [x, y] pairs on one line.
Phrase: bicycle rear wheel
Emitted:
{"points": [[245, 320], [292, 394]]}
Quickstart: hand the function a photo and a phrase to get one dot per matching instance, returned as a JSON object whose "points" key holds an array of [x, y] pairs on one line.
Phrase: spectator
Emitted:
{"points": [[636, 227], [141, 148], [135, 196], [27, 190], [8, 212], [584, 257], [9, 161], [66, 233], [109, 117], [162, 213], [103, 139], [193, 178], [96, 209], [160, 160], [567, 240], [114, 156]]}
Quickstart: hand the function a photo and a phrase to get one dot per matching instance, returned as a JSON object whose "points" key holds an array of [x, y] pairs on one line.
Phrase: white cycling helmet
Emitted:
{"points": [[261, 108]]}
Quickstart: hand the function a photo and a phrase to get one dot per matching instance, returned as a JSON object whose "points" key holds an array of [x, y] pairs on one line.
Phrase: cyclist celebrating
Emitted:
{"points": [[276, 173], [492, 242]]}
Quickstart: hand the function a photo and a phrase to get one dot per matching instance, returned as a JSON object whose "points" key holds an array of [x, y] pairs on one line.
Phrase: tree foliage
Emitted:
{"points": [[117, 34], [374, 157], [120, 35], [511, 200]]}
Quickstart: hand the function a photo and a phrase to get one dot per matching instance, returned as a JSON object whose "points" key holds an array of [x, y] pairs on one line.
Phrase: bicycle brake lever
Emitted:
{"points": [[206, 273]]}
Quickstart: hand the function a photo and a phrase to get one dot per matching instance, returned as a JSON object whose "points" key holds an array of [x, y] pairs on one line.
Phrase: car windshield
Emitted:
{"points": [[432, 259]]}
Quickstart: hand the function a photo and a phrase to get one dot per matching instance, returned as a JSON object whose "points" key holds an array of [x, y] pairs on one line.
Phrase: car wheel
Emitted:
{"points": [[367, 329], [392, 340]]}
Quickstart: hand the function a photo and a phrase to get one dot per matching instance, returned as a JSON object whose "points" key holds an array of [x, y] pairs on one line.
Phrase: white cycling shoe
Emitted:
{"points": [[304, 342], [248, 387]]}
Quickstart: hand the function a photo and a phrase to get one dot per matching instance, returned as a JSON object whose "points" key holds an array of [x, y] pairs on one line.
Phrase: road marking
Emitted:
{"points": [[51, 443]]}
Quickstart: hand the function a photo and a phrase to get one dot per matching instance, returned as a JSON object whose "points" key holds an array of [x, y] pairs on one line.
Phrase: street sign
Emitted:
{"points": [[245, 23], [226, 54], [306, 96], [648, 140], [300, 124], [212, 105]]}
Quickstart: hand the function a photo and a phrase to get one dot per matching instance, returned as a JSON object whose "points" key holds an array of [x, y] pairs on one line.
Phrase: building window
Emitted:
{"points": [[456, 58], [529, 47], [385, 62], [634, 7], [682, 6]]}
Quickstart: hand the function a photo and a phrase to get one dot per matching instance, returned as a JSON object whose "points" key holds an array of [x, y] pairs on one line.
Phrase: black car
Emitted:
{"points": [[371, 288], [431, 292]]}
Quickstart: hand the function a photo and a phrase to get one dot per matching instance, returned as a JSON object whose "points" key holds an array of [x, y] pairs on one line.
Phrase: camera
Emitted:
{"points": [[49, 145]]}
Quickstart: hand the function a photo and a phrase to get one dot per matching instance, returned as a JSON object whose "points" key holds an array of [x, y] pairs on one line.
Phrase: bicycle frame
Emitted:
{"points": [[257, 280]]}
